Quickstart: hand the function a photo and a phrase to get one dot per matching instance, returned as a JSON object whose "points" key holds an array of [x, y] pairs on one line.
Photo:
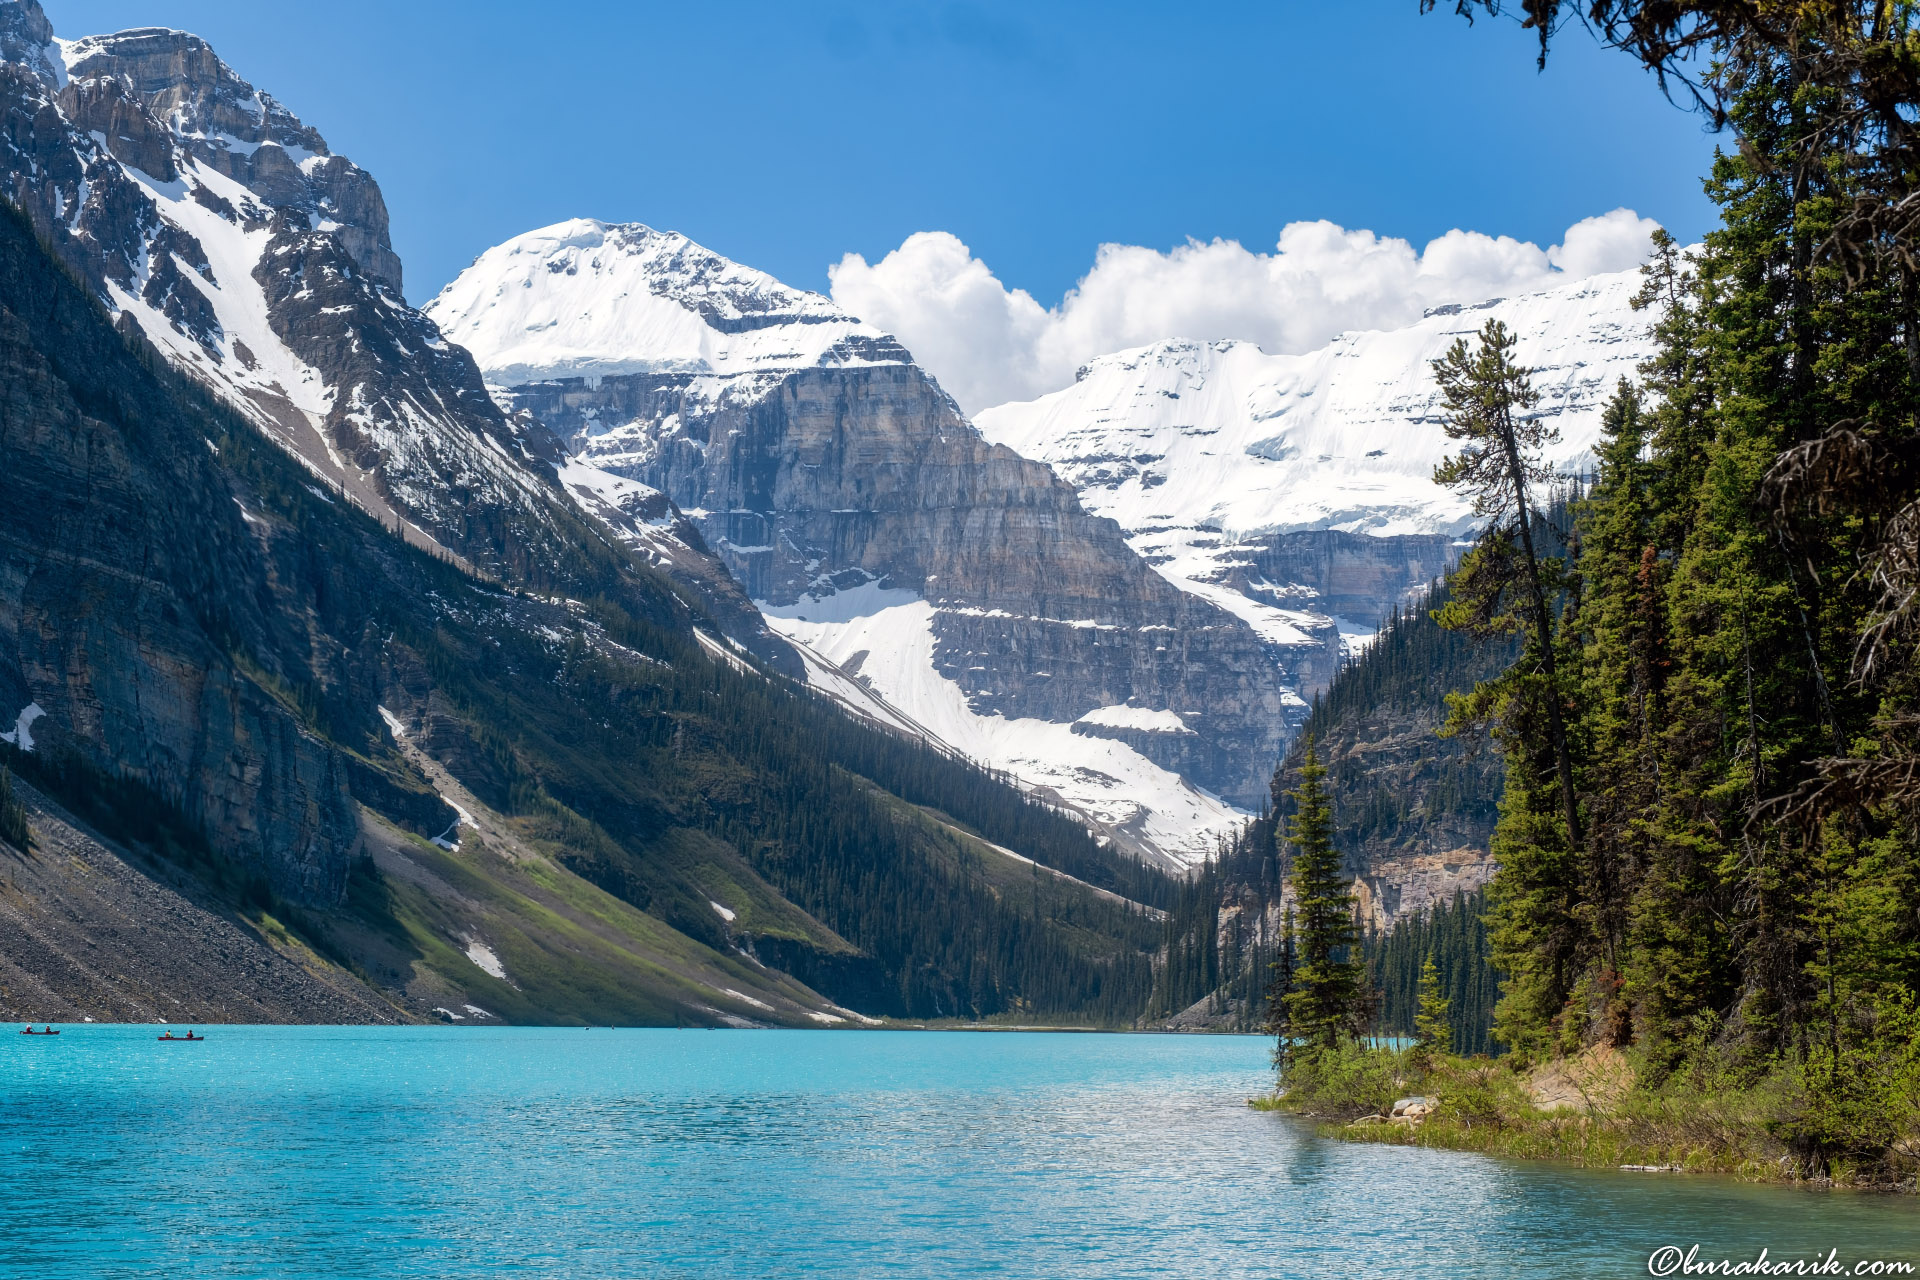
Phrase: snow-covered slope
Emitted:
{"points": [[586, 298], [1210, 455], [1345, 437], [941, 585], [873, 649]]}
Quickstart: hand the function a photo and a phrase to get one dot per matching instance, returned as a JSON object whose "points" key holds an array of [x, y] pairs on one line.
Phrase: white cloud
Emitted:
{"points": [[988, 344]]}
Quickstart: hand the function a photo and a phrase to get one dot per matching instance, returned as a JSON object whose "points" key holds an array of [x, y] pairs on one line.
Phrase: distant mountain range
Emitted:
{"points": [[1293, 493]]}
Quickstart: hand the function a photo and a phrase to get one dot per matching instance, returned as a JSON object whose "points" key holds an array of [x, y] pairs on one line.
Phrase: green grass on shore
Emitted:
{"points": [[1738, 1123]]}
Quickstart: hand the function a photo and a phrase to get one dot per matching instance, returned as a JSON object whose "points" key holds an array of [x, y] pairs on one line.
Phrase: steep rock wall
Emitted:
{"points": [[840, 476]]}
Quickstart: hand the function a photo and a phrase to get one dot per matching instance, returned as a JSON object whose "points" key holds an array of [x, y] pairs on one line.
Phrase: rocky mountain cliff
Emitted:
{"points": [[215, 223], [1297, 490], [1413, 816], [963, 584]]}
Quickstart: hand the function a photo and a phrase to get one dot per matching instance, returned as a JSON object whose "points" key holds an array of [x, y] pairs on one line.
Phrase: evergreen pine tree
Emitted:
{"points": [[1486, 393], [1433, 1024], [13, 814], [1328, 1001]]}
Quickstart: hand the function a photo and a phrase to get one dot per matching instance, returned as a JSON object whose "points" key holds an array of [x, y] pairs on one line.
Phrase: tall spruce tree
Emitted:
{"points": [[1328, 1002], [1486, 394], [1432, 1024]]}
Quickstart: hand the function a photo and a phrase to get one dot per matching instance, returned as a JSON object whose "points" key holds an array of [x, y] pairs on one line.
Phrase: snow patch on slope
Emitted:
{"points": [[1126, 717], [233, 249], [886, 636], [21, 735], [485, 960]]}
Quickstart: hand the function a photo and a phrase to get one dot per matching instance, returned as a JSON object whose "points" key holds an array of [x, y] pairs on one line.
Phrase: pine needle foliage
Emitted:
{"points": [[1328, 999], [1432, 1024], [13, 814]]}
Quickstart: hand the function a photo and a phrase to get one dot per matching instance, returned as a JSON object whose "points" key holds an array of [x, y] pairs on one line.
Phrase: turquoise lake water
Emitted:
{"points": [[471, 1152]]}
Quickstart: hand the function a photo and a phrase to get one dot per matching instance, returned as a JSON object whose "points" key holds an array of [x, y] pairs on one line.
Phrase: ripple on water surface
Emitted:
{"points": [[476, 1152]]}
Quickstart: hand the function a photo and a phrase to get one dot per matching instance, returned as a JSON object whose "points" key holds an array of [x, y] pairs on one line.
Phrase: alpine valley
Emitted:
{"points": [[626, 635]]}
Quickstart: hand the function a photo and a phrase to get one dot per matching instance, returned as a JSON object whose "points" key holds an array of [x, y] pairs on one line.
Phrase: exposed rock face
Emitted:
{"points": [[217, 224], [821, 463], [1412, 884], [118, 580], [1347, 575], [226, 124]]}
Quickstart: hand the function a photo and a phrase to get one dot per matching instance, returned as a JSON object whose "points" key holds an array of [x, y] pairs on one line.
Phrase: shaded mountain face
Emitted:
{"points": [[962, 583], [478, 794], [215, 223], [1297, 491], [1413, 818]]}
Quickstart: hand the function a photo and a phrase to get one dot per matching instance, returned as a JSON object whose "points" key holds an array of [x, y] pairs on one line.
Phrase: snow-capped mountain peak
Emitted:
{"points": [[591, 299], [1225, 436], [1297, 490]]}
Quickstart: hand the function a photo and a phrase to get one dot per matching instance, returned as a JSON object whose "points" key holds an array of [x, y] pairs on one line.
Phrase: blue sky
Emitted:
{"points": [[786, 135]]}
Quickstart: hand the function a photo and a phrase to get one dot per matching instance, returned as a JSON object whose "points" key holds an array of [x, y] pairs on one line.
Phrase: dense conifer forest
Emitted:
{"points": [[1453, 936], [1395, 786], [1708, 843]]}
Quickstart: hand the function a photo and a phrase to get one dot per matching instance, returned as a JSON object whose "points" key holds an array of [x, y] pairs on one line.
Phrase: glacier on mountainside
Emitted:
{"points": [[883, 640], [1297, 490]]}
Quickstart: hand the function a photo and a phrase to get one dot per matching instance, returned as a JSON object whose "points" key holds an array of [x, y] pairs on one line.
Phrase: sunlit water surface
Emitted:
{"points": [[469, 1152]]}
